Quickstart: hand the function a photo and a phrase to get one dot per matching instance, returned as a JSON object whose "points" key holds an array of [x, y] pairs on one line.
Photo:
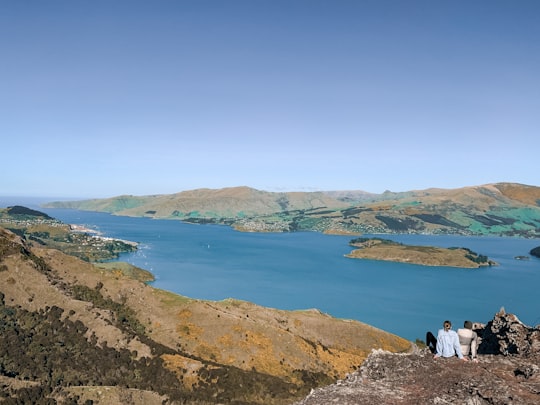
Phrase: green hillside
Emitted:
{"points": [[505, 209]]}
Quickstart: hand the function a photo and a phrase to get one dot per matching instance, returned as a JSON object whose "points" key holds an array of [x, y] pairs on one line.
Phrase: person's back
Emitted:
{"points": [[468, 340], [448, 342]]}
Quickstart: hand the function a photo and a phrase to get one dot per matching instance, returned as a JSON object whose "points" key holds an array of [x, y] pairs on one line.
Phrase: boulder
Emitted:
{"points": [[506, 335]]}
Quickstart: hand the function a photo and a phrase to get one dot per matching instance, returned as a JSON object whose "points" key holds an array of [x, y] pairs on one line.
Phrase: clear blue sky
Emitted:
{"points": [[102, 98]]}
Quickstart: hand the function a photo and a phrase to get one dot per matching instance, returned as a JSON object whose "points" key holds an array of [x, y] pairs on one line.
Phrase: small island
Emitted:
{"points": [[384, 249]]}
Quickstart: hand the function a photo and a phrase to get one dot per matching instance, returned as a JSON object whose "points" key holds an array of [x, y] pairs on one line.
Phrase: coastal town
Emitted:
{"points": [[77, 240]]}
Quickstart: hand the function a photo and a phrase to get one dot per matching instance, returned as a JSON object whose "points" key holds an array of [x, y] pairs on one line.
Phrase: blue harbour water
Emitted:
{"points": [[308, 270]]}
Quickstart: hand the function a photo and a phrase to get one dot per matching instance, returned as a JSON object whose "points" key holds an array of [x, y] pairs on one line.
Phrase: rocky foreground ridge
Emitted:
{"points": [[504, 209], [73, 333], [507, 372]]}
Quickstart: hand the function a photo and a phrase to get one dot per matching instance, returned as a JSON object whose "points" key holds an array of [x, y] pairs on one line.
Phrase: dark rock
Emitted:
{"points": [[20, 210], [506, 334], [507, 372]]}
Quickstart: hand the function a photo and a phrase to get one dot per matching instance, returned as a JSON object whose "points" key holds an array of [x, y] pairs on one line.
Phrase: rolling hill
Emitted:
{"points": [[73, 332], [505, 209]]}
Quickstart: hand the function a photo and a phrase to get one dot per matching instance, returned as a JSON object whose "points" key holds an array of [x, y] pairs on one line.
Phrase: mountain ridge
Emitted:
{"points": [[503, 209], [70, 330]]}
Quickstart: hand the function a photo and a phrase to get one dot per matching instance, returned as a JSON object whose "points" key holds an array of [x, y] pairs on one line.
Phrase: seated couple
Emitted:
{"points": [[449, 343]]}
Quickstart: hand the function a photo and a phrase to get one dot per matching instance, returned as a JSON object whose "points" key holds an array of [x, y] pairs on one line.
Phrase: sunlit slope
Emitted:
{"points": [[498, 209], [55, 308], [507, 209], [235, 202]]}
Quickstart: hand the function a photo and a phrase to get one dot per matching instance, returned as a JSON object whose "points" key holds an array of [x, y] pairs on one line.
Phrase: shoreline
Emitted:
{"points": [[97, 234]]}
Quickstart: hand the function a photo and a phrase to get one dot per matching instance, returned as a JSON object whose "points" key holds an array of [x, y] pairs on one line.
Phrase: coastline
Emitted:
{"points": [[97, 234]]}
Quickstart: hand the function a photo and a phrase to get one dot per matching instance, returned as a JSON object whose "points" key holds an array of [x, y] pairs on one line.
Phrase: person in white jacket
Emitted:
{"points": [[468, 340]]}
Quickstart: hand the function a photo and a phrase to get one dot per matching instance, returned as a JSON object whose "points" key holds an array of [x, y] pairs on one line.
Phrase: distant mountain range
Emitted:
{"points": [[505, 209]]}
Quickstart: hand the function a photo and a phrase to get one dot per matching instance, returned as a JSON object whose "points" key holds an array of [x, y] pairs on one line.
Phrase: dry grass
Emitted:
{"points": [[423, 255]]}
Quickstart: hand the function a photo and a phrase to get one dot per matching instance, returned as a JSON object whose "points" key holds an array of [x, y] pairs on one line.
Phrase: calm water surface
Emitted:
{"points": [[309, 270]]}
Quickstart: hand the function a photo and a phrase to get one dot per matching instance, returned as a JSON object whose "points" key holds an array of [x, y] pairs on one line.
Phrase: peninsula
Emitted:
{"points": [[76, 240], [384, 249]]}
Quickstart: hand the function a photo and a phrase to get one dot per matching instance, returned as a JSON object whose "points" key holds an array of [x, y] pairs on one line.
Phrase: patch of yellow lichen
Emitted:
{"points": [[189, 330], [260, 354], [230, 360], [184, 368], [258, 340], [226, 343], [185, 314], [206, 351], [341, 362], [333, 361], [237, 328], [225, 340], [391, 343], [394, 344], [117, 274], [305, 356]]}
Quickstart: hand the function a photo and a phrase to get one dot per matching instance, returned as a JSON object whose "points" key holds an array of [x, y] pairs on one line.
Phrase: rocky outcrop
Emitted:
{"points": [[507, 372], [507, 335]]}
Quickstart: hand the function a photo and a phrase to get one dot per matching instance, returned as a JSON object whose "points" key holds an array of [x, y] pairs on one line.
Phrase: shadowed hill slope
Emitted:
{"points": [[69, 328], [505, 209]]}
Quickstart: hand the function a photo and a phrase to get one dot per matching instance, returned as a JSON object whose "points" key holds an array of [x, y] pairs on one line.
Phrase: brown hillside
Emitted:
{"points": [[59, 308], [525, 194], [228, 202], [503, 209]]}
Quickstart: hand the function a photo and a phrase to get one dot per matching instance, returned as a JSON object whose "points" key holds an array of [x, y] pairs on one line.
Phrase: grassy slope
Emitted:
{"points": [[215, 351], [506, 209], [424, 255]]}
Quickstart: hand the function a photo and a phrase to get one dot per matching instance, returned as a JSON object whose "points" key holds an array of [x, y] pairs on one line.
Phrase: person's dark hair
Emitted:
{"points": [[447, 325], [468, 324]]}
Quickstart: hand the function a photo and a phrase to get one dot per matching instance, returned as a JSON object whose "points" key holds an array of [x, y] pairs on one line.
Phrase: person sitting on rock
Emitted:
{"points": [[468, 340], [448, 343]]}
